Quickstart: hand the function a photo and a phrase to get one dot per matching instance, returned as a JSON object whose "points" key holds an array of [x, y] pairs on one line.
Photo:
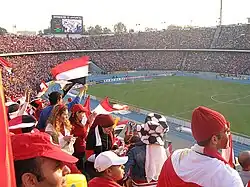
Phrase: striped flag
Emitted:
{"points": [[7, 65], [72, 70], [6, 159], [87, 105], [106, 108], [43, 88]]}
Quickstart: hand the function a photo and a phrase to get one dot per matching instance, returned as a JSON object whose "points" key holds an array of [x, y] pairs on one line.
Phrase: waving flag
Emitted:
{"points": [[43, 88], [87, 105], [106, 108], [72, 70], [6, 159], [6, 65]]}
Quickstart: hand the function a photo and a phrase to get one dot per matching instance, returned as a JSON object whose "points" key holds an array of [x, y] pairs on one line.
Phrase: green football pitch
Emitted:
{"points": [[178, 96]]}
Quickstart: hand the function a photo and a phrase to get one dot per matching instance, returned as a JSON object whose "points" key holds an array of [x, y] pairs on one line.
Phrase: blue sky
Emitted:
{"points": [[35, 15]]}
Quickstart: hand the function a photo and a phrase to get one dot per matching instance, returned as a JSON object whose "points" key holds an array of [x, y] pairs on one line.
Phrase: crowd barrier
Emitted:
{"points": [[125, 50]]}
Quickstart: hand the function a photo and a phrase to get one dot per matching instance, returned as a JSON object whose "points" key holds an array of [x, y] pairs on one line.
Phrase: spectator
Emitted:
{"points": [[244, 160], [148, 156], [29, 70], [100, 138], [80, 128], [36, 107], [110, 169], [38, 162], [202, 165], [59, 127], [56, 98]]}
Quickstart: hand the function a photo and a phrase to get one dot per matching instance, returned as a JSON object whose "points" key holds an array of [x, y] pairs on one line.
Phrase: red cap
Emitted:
{"points": [[104, 121], [38, 144], [69, 99], [78, 107], [206, 123]]}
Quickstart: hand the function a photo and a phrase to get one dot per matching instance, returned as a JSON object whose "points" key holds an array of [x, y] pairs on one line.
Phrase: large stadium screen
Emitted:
{"points": [[66, 24]]}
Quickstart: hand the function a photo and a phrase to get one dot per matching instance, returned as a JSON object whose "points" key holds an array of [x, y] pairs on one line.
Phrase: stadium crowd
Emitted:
{"points": [[29, 70], [52, 140], [69, 145]]}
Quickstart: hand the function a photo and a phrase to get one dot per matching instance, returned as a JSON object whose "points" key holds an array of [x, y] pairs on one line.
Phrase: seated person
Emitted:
{"points": [[110, 169]]}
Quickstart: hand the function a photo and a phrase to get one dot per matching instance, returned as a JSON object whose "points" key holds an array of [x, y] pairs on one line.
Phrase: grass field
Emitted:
{"points": [[178, 96]]}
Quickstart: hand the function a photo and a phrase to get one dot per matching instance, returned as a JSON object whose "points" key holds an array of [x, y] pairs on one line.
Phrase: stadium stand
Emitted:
{"points": [[29, 70]]}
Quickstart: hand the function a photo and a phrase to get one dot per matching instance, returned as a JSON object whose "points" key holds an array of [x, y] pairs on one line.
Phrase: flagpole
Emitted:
{"points": [[6, 158], [221, 12]]}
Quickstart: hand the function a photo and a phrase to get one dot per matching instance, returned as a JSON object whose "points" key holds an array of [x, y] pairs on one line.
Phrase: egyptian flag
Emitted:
{"points": [[43, 88], [6, 158], [6, 65], [74, 71], [13, 109], [106, 108], [87, 105], [22, 124]]}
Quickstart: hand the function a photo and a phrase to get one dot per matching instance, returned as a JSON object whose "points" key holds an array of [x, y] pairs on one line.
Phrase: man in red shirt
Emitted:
{"points": [[110, 168]]}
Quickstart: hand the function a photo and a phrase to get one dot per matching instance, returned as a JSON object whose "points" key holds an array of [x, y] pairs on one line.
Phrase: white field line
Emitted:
{"points": [[215, 104]]}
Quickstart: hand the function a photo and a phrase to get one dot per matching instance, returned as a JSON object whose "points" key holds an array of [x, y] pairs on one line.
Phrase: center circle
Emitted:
{"points": [[231, 101]]}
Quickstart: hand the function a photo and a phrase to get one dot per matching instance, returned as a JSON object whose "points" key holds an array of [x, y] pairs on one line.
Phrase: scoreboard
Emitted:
{"points": [[61, 24]]}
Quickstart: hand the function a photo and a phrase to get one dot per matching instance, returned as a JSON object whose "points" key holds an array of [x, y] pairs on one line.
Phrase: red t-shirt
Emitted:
{"points": [[101, 181]]}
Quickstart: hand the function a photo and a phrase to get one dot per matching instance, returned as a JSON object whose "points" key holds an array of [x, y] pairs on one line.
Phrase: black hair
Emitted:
{"points": [[54, 97], [32, 165]]}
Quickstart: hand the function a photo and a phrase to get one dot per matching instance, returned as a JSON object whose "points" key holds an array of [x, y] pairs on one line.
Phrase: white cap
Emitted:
{"points": [[108, 158]]}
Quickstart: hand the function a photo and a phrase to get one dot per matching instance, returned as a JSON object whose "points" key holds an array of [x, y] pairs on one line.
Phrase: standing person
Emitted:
{"points": [[146, 159], [81, 123], [36, 107], [101, 135], [15, 109], [244, 160], [110, 169], [202, 165], [100, 138], [54, 99], [59, 127], [38, 162]]}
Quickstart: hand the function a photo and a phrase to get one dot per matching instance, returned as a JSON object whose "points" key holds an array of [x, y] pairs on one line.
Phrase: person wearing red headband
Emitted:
{"points": [[202, 165]]}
